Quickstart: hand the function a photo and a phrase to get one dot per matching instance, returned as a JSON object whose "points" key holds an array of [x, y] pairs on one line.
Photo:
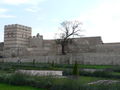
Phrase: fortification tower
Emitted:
{"points": [[16, 36]]}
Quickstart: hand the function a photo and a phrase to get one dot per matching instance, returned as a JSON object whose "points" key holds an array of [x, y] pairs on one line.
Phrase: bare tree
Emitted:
{"points": [[69, 30]]}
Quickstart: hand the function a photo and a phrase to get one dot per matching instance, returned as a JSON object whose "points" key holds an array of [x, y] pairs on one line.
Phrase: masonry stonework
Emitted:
{"points": [[19, 43], [16, 36]]}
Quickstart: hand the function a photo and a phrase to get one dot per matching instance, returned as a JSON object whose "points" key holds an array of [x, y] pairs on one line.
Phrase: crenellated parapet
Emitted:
{"points": [[36, 41], [38, 36], [18, 26]]}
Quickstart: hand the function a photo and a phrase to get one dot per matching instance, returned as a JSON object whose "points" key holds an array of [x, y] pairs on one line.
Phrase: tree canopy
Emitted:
{"points": [[69, 29]]}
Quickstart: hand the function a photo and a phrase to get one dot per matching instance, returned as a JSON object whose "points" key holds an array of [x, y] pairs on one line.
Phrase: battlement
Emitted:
{"points": [[17, 26], [37, 37]]}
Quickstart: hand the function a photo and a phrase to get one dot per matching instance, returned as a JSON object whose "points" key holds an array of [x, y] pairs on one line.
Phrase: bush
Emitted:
{"points": [[67, 72], [97, 74], [3, 78], [66, 85], [85, 73], [51, 84], [115, 69], [75, 70], [43, 82], [18, 79], [102, 74]]}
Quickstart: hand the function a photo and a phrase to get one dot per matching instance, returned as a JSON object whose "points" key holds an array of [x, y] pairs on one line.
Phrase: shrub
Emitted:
{"points": [[51, 84], [43, 82], [3, 78], [34, 61], [102, 74], [53, 64], [67, 72], [75, 69], [115, 69], [18, 79], [85, 73], [66, 85]]}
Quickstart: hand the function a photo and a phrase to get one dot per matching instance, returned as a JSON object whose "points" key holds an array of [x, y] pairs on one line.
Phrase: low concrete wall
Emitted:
{"points": [[41, 72], [83, 58]]}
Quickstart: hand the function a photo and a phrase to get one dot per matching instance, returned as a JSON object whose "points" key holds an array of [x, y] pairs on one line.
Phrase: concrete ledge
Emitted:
{"points": [[40, 72]]}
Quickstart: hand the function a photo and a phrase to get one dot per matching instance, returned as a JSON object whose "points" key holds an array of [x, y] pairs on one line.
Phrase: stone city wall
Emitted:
{"points": [[84, 58], [108, 47]]}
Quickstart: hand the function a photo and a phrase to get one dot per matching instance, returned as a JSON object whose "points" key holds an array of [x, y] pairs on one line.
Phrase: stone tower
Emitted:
{"points": [[16, 36]]}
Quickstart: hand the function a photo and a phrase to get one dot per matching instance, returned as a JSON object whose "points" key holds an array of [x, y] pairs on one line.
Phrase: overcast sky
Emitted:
{"points": [[99, 17]]}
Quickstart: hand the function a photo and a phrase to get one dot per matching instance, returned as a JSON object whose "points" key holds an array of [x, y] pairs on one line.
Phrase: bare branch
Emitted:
{"points": [[68, 28]]}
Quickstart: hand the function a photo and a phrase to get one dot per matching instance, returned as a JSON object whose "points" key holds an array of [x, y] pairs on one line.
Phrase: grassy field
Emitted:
{"points": [[96, 66], [8, 76], [39, 66], [82, 79], [11, 87]]}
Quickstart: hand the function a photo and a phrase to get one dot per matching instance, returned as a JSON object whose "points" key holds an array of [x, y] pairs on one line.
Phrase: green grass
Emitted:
{"points": [[81, 79], [9, 68], [11, 87], [87, 79], [39, 66], [115, 73], [95, 66]]}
